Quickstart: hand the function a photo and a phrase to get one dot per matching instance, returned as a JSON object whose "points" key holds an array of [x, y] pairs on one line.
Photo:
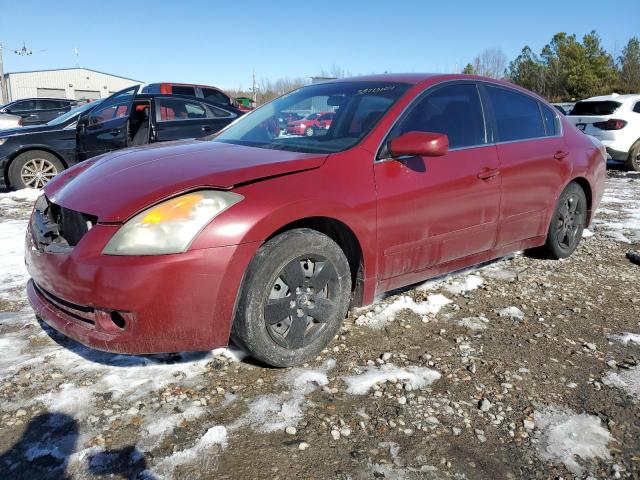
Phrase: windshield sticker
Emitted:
{"points": [[366, 91]]}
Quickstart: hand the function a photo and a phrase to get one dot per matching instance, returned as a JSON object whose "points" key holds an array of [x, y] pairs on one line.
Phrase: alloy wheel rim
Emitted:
{"points": [[301, 302], [570, 220], [37, 172]]}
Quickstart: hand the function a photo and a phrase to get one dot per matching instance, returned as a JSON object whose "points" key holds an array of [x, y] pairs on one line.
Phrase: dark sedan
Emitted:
{"points": [[30, 157]]}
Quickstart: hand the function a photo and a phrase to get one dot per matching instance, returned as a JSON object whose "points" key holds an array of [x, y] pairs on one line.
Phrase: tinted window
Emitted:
{"points": [[215, 96], [151, 88], [113, 107], [170, 109], [454, 110], [218, 112], [517, 116], [595, 108], [551, 121], [180, 90], [636, 107], [23, 106], [50, 104]]}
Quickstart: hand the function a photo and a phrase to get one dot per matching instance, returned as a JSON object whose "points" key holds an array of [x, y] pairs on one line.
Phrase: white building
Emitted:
{"points": [[74, 83]]}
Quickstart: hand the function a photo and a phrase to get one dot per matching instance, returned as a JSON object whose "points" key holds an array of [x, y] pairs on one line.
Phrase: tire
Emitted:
{"points": [[567, 223], [633, 162], [309, 132], [273, 322], [33, 169]]}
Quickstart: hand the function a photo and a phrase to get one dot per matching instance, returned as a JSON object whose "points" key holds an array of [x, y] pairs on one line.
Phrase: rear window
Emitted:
{"points": [[517, 116], [551, 121], [606, 107]]}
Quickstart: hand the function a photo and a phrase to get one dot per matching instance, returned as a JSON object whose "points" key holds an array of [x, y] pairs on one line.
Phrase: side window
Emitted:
{"points": [[551, 121], [517, 116], [171, 109], [24, 106], [47, 104], [182, 90], [116, 106], [215, 96], [636, 107], [218, 112], [454, 110]]}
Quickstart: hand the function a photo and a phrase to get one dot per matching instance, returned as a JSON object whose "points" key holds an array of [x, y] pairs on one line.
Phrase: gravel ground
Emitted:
{"points": [[521, 368]]}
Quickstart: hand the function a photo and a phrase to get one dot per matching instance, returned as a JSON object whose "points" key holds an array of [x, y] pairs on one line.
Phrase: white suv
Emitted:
{"points": [[615, 121]]}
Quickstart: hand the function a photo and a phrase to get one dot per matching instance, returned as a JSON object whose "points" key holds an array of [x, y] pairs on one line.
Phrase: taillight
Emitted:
{"points": [[20, 122], [611, 124]]}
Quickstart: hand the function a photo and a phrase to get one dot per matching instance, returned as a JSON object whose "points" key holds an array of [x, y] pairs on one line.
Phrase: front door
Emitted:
{"points": [[106, 127], [437, 209]]}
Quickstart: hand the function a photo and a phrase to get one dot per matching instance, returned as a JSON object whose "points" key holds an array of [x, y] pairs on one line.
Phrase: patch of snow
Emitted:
{"points": [[627, 338], [571, 438], [271, 412], [514, 313], [626, 380], [28, 194], [417, 377], [586, 233], [201, 452], [474, 323], [382, 314], [453, 284], [14, 273]]}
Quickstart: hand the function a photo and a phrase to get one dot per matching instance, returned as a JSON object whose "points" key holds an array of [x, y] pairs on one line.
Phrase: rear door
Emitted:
{"points": [[534, 161], [106, 128], [180, 118], [49, 109]]}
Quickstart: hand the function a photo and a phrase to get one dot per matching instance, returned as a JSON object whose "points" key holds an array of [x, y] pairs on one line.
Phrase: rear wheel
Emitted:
{"points": [[295, 295], [568, 222], [309, 132], [33, 169], [633, 162]]}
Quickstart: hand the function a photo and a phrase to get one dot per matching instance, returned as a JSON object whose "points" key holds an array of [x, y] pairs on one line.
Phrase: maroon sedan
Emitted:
{"points": [[270, 239]]}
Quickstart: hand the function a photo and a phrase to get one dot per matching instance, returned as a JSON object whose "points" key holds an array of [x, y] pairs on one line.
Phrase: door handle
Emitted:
{"points": [[560, 154], [115, 131], [206, 128], [488, 173]]}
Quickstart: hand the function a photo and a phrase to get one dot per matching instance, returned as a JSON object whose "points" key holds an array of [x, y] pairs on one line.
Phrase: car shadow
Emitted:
{"points": [[127, 462], [126, 361]]}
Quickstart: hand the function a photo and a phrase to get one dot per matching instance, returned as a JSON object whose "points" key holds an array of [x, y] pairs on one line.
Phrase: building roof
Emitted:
{"points": [[73, 68]]}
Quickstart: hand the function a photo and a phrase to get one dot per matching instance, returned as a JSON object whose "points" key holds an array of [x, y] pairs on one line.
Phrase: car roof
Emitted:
{"points": [[613, 97], [44, 98], [178, 84], [182, 97]]}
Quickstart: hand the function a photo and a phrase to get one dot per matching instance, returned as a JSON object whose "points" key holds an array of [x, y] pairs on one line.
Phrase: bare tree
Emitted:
{"points": [[492, 62]]}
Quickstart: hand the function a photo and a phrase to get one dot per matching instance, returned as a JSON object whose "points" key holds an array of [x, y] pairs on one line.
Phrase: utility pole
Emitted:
{"points": [[254, 90], [3, 86]]}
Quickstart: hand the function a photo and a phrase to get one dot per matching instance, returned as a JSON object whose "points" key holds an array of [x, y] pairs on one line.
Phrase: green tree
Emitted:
{"points": [[468, 69], [629, 62], [527, 71]]}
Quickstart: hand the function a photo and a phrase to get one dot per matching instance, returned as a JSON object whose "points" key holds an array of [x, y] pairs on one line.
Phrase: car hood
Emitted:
{"points": [[9, 132], [118, 185]]}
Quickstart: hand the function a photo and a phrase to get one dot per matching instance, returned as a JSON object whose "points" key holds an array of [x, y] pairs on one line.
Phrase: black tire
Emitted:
{"points": [[633, 162], [309, 132], [277, 278], [567, 223], [33, 169]]}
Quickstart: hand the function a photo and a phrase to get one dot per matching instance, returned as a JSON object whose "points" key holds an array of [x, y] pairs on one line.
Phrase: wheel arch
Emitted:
{"points": [[588, 192], [346, 239]]}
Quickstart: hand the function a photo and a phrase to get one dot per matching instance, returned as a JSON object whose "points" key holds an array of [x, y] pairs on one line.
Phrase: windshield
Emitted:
{"points": [[354, 108], [72, 113]]}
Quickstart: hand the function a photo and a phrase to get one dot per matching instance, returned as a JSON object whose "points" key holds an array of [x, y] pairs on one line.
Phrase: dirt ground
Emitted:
{"points": [[521, 368]]}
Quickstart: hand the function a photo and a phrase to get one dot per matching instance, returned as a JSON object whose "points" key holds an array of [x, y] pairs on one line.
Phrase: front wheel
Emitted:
{"points": [[309, 132], [295, 295], [567, 223], [33, 169]]}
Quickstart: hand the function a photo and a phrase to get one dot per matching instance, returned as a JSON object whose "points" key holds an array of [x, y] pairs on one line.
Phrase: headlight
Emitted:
{"points": [[170, 226], [302, 125], [2, 140]]}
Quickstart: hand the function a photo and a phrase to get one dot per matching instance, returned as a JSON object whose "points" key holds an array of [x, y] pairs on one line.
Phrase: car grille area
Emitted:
{"points": [[82, 313], [57, 229]]}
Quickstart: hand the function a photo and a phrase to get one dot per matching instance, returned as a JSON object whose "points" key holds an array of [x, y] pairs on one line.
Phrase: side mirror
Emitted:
{"points": [[421, 144]]}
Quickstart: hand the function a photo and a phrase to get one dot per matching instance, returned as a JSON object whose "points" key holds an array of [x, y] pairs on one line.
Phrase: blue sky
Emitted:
{"points": [[221, 42]]}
